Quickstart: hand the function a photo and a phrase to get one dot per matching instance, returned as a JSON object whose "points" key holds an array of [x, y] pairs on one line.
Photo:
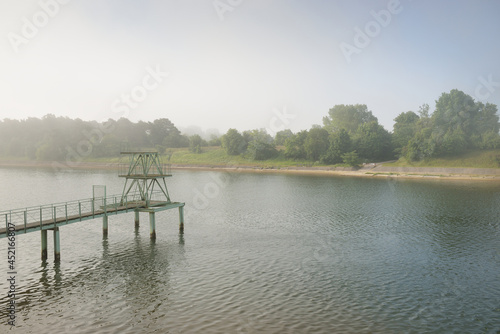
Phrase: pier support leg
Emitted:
{"points": [[44, 245], [136, 218], [104, 226], [152, 225], [57, 245], [181, 219]]}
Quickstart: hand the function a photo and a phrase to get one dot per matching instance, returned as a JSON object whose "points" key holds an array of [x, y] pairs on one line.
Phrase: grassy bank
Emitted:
{"points": [[210, 156], [216, 156], [471, 159]]}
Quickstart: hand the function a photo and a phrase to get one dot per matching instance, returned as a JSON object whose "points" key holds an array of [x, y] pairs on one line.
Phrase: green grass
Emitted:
{"points": [[216, 156], [210, 156], [471, 159]]}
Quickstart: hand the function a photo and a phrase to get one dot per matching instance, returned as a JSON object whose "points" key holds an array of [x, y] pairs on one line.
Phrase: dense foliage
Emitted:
{"points": [[457, 124], [233, 142], [195, 143], [350, 134], [60, 138]]}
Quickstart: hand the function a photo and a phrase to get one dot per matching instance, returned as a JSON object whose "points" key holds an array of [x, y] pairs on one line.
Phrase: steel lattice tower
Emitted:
{"points": [[143, 175]]}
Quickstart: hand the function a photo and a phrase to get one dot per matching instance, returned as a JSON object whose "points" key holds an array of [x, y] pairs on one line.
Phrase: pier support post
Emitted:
{"points": [[136, 218], [152, 225], [181, 219], [57, 245], [44, 245], [105, 226]]}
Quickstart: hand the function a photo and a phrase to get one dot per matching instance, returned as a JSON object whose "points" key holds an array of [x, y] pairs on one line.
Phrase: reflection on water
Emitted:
{"points": [[270, 254], [120, 285]]}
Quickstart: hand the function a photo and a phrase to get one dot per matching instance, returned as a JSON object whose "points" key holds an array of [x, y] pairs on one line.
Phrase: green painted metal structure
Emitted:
{"points": [[144, 172]]}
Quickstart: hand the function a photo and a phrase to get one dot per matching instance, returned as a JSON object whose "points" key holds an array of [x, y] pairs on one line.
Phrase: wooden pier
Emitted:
{"points": [[145, 171]]}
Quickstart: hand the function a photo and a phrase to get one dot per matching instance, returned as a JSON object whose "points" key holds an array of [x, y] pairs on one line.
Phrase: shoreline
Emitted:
{"points": [[440, 173]]}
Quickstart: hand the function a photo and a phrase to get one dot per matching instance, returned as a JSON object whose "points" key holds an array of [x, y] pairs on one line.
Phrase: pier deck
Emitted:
{"points": [[48, 217], [143, 173]]}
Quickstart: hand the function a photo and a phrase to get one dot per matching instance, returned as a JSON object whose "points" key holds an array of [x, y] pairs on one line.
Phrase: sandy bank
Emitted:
{"points": [[370, 171]]}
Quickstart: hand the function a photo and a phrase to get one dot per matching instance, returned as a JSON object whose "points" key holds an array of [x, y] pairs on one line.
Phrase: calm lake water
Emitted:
{"points": [[263, 253]]}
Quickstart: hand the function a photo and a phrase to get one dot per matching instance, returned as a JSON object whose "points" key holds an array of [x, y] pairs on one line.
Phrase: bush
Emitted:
{"points": [[351, 158], [261, 151], [233, 142], [195, 143]]}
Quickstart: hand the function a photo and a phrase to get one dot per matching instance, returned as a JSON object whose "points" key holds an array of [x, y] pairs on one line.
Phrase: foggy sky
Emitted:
{"points": [[242, 63]]}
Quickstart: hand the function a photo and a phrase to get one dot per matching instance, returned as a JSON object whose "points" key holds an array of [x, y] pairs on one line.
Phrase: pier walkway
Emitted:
{"points": [[142, 174], [48, 217], [52, 216]]}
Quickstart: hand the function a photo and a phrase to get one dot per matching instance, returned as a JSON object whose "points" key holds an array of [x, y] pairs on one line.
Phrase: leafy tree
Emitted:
{"points": [[11, 132], [259, 150], [123, 129], [373, 142], [459, 123], [174, 141], [282, 136], [260, 144], [294, 146], [423, 111], [405, 127], [487, 118], [259, 135], [348, 117], [453, 122], [489, 140], [108, 147], [454, 110], [453, 142], [351, 158], [50, 148], [195, 143], [163, 132], [161, 128], [233, 142], [316, 143], [214, 140], [340, 143], [487, 126], [420, 146]]}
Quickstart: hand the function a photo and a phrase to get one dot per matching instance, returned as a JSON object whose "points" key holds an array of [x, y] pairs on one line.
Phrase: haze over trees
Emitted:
{"points": [[347, 117], [350, 134], [233, 142], [457, 124], [353, 128], [59, 138]]}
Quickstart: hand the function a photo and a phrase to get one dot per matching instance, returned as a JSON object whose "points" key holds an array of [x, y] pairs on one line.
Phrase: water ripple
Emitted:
{"points": [[277, 254]]}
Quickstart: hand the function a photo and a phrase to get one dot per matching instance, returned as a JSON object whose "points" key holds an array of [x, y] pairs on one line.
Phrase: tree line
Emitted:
{"points": [[350, 134], [56, 138]]}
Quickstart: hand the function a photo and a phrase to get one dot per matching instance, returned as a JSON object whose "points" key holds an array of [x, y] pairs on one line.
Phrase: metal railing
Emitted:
{"points": [[61, 213], [126, 169]]}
